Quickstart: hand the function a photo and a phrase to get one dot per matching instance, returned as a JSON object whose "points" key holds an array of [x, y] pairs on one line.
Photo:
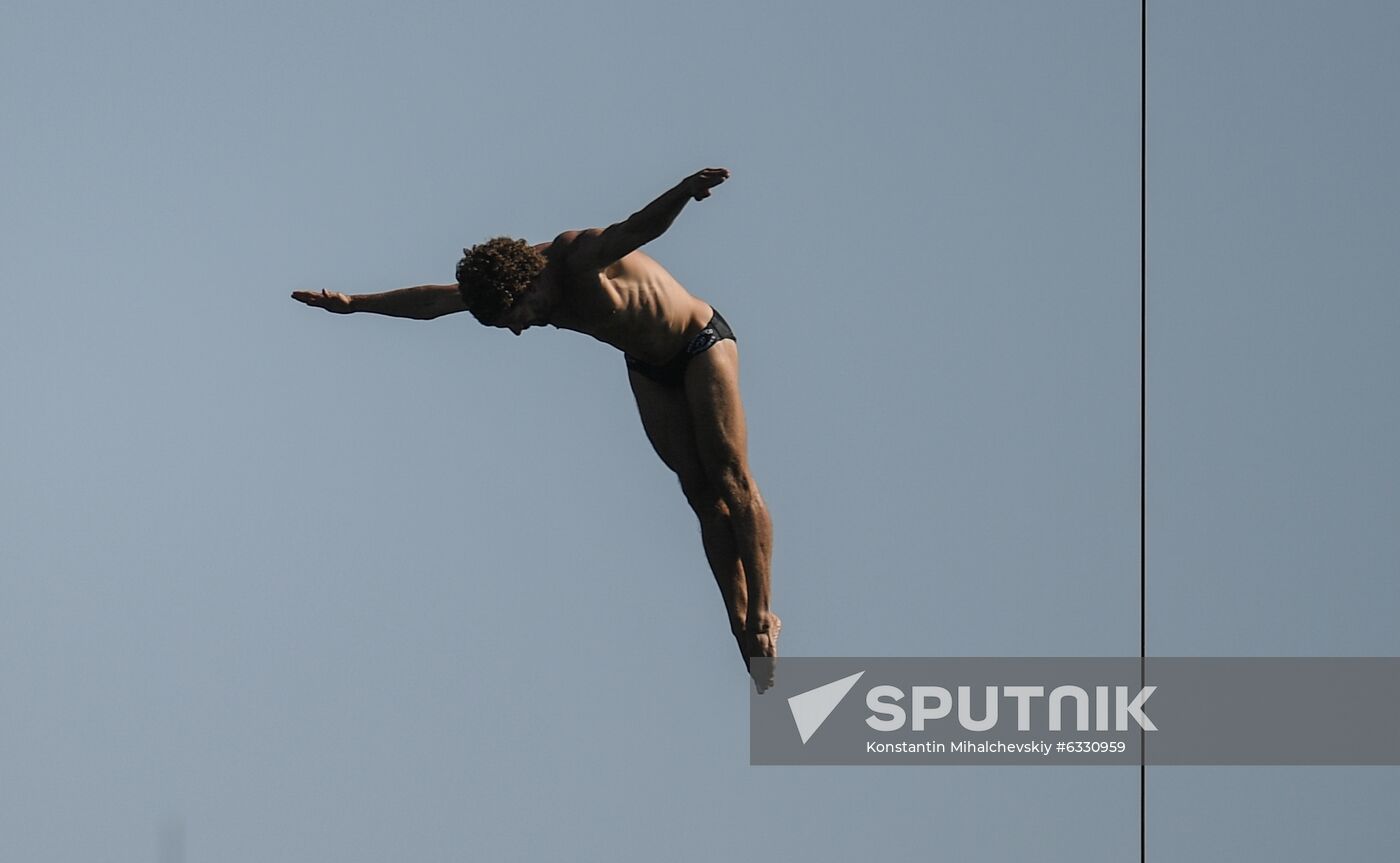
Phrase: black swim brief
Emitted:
{"points": [[672, 372]]}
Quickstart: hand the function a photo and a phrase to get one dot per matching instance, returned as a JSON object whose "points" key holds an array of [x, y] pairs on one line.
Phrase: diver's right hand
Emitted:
{"points": [[331, 301]]}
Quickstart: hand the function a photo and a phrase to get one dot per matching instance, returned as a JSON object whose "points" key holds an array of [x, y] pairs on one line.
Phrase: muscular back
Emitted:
{"points": [[633, 303]]}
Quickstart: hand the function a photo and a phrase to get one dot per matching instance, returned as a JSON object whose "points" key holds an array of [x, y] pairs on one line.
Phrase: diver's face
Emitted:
{"points": [[530, 310]]}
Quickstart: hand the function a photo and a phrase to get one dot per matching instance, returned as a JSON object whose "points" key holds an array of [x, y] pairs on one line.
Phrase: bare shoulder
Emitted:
{"points": [[570, 241], [579, 250]]}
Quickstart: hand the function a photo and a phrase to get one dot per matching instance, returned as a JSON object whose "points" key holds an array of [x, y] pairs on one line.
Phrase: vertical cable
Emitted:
{"points": [[1142, 429]]}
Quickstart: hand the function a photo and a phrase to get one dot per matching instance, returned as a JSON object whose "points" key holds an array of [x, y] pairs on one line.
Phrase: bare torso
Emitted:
{"points": [[634, 304]]}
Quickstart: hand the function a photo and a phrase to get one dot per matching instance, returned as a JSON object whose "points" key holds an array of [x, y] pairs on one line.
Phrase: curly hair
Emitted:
{"points": [[491, 275]]}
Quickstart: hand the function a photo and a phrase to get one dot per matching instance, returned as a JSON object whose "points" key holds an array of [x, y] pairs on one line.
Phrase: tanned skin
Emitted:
{"points": [[599, 283]]}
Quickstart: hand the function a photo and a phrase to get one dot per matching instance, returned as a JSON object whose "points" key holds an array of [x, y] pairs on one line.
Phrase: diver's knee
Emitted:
{"points": [[736, 486], [702, 495]]}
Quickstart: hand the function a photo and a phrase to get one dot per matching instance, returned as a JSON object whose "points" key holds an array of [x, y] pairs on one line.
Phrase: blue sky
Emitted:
{"points": [[322, 588]]}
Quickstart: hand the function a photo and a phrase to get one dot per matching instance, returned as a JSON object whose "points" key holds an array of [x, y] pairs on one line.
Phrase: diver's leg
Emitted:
{"points": [[721, 436], [666, 419]]}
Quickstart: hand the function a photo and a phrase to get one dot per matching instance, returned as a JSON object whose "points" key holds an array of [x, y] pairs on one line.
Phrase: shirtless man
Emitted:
{"points": [[682, 361]]}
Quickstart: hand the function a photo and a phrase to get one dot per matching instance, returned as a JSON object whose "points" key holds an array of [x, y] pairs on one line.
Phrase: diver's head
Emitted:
{"points": [[496, 279]]}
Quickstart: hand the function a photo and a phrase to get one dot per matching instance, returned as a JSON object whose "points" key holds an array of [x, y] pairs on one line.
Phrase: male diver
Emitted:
{"points": [[682, 361]]}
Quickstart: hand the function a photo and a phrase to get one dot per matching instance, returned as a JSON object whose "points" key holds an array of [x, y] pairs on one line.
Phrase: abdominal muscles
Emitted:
{"points": [[638, 307]]}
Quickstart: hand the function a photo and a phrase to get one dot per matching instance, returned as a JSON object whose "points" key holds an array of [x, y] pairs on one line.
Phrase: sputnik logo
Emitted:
{"points": [[811, 708]]}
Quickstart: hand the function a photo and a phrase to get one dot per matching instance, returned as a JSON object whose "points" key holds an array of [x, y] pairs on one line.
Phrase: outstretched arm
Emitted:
{"points": [[594, 249], [423, 302]]}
